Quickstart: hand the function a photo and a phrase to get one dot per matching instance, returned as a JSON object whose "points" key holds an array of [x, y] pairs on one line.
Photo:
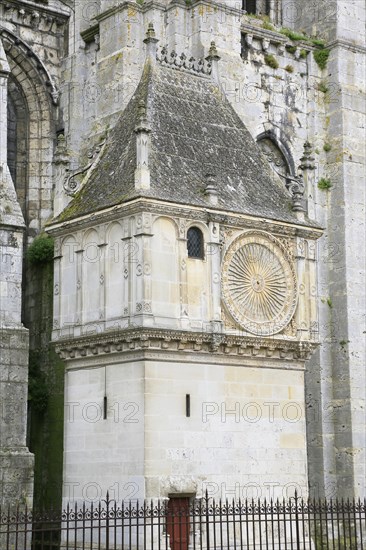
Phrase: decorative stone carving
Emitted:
{"points": [[201, 66], [274, 156], [259, 283], [122, 341], [72, 185]]}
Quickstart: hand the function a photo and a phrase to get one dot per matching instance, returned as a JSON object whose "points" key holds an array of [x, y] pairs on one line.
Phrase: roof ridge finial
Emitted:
{"points": [[211, 188], [151, 42], [213, 59]]}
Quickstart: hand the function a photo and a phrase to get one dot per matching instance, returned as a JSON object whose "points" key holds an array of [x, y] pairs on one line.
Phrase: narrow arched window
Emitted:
{"points": [[195, 243]]}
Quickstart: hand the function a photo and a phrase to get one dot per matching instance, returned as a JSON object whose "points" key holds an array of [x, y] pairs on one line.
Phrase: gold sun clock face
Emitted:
{"points": [[259, 284]]}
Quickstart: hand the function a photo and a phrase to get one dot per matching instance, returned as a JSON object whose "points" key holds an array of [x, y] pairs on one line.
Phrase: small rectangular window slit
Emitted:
{"points": [[105, 408], [188, 405]]}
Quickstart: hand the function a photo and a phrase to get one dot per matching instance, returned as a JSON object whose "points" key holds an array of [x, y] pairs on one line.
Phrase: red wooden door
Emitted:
{"points": [[178, 523]]}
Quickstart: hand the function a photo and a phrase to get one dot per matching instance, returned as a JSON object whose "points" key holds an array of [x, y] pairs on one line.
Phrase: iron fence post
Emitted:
{"points": [[297, 521], [207, 523], [107, 522]]}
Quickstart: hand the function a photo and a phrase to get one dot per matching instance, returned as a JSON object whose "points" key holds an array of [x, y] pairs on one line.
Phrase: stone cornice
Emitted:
{"points": [[238, 12], [43, 9], [89, 34], [128, 4], [183, 342], [339, 43], [197, 213]]}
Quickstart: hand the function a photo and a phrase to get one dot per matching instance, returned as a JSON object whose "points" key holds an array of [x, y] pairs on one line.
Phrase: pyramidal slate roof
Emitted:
{"points": [[194, 131]]}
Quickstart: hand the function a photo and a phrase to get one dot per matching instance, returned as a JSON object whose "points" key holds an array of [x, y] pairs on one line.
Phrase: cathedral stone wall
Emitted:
{"points": [[147, 446], [74, 68]]}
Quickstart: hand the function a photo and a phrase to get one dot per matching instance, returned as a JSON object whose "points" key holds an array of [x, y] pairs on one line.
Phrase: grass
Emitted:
{"points": [[292, 35], [321, 58], [289, 68], [291, 49], [327, 147], [317, 42], [271, 61]]}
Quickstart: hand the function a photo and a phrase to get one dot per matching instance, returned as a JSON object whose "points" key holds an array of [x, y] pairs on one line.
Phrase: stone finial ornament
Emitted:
{"points": [[213, 59], [142, 130], [61, 154], [151, 42], [142, 124], [296, 187], [211, 189], [182, 62], [307, 160]]}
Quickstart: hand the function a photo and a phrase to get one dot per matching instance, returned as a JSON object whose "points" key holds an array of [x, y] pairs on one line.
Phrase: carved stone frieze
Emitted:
{"points": [[193, 65], [183, 341]]}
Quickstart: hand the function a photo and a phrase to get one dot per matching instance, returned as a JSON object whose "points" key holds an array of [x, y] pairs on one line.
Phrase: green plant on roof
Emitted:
{"points": [[304, 53], [41, 250], [291, 49], [271, 61], [289, 68], [321, 58], [324, 184], [318, 43], [267, 23], [292, 35]]}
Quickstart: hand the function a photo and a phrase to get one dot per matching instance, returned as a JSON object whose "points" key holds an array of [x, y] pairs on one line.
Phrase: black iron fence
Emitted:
{"points": [[186, 524]]}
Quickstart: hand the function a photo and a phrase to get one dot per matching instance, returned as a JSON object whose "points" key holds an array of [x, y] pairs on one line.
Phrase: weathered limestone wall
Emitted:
{"points": [[245, 435], [16, 463], [336, 380], [104, 454], [148, 447]]}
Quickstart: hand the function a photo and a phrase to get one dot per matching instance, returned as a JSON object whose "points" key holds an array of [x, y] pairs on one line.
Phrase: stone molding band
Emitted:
{"points": [[183, 342]]}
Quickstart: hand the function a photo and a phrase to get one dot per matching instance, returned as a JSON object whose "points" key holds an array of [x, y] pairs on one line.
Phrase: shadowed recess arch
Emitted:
{"points": [[18, 138], [32, 116], [277, 154]]}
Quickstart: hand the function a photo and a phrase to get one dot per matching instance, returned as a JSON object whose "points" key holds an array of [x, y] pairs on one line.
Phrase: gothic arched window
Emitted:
{"points": [[195, 244]]}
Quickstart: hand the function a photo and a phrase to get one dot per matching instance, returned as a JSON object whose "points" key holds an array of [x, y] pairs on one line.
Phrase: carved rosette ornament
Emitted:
{"points": [[259, 283]]}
